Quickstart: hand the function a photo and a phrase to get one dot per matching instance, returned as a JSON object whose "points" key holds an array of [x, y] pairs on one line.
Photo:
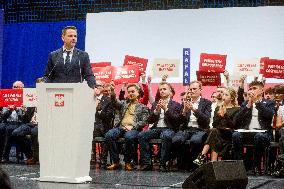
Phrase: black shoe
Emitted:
{"points": [[145, 168], [163, 168]]}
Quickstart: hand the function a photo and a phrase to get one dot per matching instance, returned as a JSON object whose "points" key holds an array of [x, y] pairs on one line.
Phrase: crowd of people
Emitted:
{"points": [[218, 126], [190, 131]]}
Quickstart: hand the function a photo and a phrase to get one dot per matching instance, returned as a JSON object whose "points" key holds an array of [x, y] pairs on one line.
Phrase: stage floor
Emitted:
{"points": [[26, 177]]}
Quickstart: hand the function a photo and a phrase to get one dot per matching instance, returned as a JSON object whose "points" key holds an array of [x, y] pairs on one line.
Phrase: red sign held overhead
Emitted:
{"points": [[212, 63], [132, 60], [209, 78], [100, 64], [262, 60], [126, 74], [274, 68], [103, 73], [9, 97]]}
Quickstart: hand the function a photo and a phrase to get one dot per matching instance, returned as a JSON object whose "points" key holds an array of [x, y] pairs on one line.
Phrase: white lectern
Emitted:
{"points": [[66, 113]]}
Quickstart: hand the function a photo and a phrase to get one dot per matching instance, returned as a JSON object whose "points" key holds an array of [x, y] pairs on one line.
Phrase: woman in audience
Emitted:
{"points": [[220, 136]]}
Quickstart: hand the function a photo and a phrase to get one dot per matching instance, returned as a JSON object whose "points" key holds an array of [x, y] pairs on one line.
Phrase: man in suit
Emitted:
{"points": [[255, 113], [133, 118], [69, 64], [104, 120], [195, 118], [164, 116]]}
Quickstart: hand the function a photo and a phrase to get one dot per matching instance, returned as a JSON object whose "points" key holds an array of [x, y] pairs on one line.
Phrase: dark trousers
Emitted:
{"points": [[10, 139], [185, 156], [25, 144], [130, 139], [99, 131], [261, 142], [144, 137], [2, 138]]}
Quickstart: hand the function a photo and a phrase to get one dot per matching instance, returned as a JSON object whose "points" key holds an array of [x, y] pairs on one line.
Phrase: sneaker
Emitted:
{"points": [[200, 160]]}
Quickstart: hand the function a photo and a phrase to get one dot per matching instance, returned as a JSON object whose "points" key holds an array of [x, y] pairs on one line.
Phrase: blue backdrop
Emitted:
{"points": [[26, 49], [1, 41]]}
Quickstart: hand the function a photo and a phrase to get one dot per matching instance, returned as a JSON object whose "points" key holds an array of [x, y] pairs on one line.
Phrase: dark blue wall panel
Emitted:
{"points": [[26, 48]]}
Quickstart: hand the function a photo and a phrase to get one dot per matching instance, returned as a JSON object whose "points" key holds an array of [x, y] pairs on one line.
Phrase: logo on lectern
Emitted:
{"points": [[59, 100]]}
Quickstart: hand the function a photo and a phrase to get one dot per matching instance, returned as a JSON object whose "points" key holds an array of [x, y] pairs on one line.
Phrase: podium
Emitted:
{"points": [[66, 114]]}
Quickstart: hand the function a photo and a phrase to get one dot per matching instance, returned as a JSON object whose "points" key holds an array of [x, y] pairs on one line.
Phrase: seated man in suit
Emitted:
{"points": [[255, 113], [195, 118], [69, 64], [12, 118], [104, 119], [164, 116], [133, 118]]}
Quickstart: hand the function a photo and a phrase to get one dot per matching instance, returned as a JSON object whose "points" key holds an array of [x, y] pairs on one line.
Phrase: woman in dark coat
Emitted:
{"points": [[220, 136]]}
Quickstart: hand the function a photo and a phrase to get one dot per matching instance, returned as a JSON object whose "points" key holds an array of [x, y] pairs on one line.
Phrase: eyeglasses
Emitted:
{"points": [[17, 87]]}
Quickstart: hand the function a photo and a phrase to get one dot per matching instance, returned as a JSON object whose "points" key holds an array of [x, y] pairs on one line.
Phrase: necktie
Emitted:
{"points": [[67, 59]]}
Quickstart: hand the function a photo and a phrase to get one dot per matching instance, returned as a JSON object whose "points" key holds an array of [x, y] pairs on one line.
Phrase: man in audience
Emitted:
{"points": [[195, 117], [164, 116], [269, 94], [218, 102], [104, 120], [12, 117], [133, 118], [255, 113]]}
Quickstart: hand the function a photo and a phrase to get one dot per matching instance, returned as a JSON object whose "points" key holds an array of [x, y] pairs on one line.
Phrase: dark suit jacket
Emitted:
{"points": [[79, 69], [202, 114], [171, 117], [105, 113], [266, 110]]}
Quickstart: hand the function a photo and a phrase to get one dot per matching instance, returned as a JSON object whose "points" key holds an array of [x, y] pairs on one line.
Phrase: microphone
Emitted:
{"points": [[48, 76], [81, 79]]}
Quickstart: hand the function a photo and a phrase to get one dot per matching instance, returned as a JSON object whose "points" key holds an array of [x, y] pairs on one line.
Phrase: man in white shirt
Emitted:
{"points": [[164, 116], [255, 113]]}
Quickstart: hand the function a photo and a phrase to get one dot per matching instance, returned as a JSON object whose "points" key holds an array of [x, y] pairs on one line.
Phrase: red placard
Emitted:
{"points": [[100, 64], [274, 68], [212, 63], [103, 73], [11, 97], [132, 60], [209, 78], [126, 74], [262, 60]]}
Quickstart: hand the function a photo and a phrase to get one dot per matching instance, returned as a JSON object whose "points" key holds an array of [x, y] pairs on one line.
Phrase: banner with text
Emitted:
{"points": [[209, 78], [261, 66], [186, 66], [163, 66], [274, 68], [30, 97], [126, 74], [212, 63], [100, 64], [103, 73], [249, 67], [235, 81], [132, 60], [11, 97]]}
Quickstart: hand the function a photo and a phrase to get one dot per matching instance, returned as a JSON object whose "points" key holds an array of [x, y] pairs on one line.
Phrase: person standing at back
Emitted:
{"points": [[69, 64]]}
